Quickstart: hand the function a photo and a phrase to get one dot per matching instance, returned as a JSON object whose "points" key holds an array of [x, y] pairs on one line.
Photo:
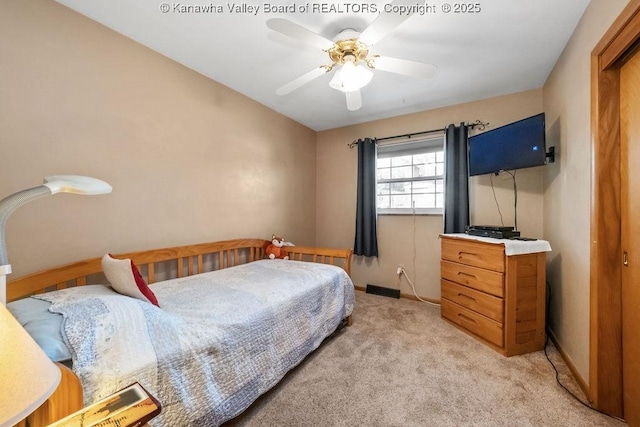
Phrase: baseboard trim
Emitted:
{"points": [[572, 367], [404, 296]]}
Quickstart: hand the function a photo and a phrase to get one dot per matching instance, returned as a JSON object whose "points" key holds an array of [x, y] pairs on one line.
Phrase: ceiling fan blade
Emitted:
{"points": [[385, 23], [405, 67], [298, 32], [301, 81], [287, 41], [354, 100]]}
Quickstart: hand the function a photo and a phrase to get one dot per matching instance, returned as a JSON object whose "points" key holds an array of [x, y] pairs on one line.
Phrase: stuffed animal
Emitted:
{"points": [[277, 248]]}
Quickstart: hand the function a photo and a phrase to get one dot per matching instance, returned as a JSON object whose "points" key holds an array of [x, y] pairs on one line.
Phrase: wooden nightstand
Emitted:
{"points": [[497, 298], [65, 400], [130, 407]]}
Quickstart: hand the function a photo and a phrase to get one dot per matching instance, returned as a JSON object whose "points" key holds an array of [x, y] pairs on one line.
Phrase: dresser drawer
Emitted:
{"points": [[488, 256], [482, 303], [473, 322], [488, 281]]}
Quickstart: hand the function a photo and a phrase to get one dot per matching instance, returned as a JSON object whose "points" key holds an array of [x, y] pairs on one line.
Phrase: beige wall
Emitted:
{"points": [[567, 182], [336, 194], [189, 160]]}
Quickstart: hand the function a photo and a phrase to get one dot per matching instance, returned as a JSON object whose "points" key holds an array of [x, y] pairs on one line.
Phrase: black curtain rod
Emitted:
{"points": [[409, 135], [477, 123]]}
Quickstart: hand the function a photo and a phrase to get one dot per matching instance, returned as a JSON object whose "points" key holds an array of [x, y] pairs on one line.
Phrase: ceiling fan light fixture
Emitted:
{"points": [[349, 55], [351, 77]]}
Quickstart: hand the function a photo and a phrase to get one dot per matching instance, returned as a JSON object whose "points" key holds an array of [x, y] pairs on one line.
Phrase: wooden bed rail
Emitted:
{"points": [[322, 255], [179, 261]]}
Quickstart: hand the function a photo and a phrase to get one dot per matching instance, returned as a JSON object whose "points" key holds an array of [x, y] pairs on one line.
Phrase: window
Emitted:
{"points": [[410, 177]]}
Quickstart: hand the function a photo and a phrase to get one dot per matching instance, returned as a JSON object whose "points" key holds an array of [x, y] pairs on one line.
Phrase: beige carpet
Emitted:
{"points": [[401, 365]]}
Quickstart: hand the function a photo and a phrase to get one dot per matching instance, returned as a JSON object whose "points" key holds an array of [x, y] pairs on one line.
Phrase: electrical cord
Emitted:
{"points": [[495, 198], [557, 373], [515, 198], [402, 271]]}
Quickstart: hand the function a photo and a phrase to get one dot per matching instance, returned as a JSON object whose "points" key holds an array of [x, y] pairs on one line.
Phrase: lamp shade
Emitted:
{"points": [[27, 375], [76, 184], [351, 77]]}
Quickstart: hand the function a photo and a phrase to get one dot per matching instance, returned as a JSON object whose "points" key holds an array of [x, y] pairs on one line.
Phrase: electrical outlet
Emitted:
{"points": [[399, 270]]}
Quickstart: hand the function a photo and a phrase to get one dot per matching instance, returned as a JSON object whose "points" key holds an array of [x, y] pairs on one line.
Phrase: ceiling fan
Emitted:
{"points": [[349, 53]]}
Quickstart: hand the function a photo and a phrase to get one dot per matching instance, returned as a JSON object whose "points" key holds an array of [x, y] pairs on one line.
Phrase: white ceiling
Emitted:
{"points": [[509, 46]]}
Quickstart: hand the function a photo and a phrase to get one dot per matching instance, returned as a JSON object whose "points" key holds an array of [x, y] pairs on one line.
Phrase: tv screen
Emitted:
{"points": [[517, 145]]}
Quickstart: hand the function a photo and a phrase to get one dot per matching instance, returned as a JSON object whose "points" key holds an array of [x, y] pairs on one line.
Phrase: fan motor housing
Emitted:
{"points": [[347, 47]]}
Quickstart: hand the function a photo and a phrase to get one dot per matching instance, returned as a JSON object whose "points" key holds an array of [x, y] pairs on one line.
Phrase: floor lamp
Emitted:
{"points": [[52, 184], [27, 376]]}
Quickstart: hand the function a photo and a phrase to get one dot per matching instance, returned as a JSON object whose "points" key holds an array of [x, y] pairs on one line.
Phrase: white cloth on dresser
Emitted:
{"points": [[511, 247]]}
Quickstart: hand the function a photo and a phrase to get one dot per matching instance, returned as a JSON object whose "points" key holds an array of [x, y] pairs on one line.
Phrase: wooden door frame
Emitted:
{"points": [[605, 364]]}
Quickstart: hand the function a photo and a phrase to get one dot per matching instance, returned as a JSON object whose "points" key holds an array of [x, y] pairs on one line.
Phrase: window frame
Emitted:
{"points": [[431, 144]]}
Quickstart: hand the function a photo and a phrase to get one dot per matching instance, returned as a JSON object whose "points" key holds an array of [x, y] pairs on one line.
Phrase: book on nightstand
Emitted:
{"points": [[132, 406]]}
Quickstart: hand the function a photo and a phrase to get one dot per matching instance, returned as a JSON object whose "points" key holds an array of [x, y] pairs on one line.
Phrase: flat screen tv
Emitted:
{"points": [[514, 146]]}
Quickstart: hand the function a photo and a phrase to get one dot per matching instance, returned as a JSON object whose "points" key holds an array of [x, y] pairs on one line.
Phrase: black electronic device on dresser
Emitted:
{"points": [[494, 231]]}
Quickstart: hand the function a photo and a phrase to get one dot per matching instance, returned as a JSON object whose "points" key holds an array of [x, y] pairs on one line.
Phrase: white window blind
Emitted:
{"points": [[410, 177]]}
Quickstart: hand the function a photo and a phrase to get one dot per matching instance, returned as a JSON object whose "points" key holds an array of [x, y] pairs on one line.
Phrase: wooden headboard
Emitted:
{"points": [[168, 263]]}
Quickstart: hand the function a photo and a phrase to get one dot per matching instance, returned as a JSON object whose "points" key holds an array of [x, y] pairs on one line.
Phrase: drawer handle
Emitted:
{"points": [[461, 273], [468, 319], [460, 294], [461, 254]]}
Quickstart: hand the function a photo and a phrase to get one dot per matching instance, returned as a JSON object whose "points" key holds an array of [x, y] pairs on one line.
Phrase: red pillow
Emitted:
{"points": [[126, 279]]}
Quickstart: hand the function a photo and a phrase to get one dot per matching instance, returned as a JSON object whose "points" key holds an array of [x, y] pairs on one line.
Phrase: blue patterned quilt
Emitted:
{"points": [[218, 342]]}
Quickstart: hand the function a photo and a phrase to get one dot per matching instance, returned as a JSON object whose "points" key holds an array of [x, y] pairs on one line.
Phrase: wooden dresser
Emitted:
{"points": [[498, 299]]}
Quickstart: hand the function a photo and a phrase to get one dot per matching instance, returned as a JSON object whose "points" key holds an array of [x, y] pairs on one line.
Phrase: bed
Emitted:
{"points": [[230, 324]]}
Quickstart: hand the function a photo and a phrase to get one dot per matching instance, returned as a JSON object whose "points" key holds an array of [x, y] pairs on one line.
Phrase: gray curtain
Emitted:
{"points": [[456, 203], [366, 241]]}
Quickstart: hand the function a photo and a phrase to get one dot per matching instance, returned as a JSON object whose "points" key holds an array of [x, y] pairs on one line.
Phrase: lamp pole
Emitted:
{"points": [[52, 185]]}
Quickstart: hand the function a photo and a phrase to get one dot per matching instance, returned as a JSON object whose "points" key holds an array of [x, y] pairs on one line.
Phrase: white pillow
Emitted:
{"points": [[126, 279]]}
